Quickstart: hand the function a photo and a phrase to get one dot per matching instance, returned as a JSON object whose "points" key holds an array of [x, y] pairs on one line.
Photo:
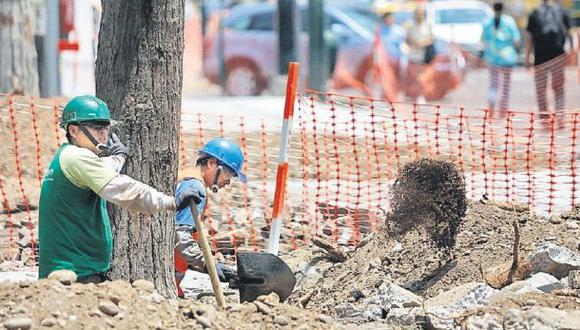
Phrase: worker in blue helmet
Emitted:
{"points": [[218, 163]]}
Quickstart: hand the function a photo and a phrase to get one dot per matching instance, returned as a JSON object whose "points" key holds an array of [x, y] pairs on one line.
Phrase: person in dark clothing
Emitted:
{"points": [[547, 30]]}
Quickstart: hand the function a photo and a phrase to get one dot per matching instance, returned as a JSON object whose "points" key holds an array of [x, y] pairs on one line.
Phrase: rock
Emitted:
{"points": [[485, 321], [541, 281], [372, 313], [574, 279], [155, 298], [572, 225], [18, 323], [64, 276], [271, 300], [531, 302], [48, 322], [403, 317], [262, 308], [325, 319], [390, 295], [109, 308], [250, 309], [465, 296], [203, 321], [397, 248], [553, 259], [555, 219], [541, 318], [280, 320], [235, 308], [144, 285], [441, 318], [204, 311], [348, 310]]}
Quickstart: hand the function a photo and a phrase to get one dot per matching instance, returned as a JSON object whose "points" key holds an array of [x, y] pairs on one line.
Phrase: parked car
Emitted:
{"points": [[251, 44], [459, 22]]}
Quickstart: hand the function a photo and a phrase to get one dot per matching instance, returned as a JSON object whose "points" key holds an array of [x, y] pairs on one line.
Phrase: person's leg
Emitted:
{"points": [[188, 248], [493, 84], [558, 79], [506, 88], [541, 77]]}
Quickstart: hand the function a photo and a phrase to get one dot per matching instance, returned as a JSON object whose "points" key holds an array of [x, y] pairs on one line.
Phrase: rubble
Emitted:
{"points": [[118, 304], [553, 259]]}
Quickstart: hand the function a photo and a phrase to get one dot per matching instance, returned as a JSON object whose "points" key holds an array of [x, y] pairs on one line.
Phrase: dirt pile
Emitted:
{"points": [[429, 194], [118, 304], [415, 262]]}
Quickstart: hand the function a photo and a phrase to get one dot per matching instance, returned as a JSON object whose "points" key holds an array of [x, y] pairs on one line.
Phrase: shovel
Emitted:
{"points": [[262, 273], [258, 273], [207, 256]]}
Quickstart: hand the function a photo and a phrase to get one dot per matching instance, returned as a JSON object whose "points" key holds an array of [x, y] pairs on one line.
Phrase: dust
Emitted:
{"points": [[429, 194]]}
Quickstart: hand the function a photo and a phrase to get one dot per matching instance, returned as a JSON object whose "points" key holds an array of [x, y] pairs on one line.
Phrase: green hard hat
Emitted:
{"points": [[84, 108]]}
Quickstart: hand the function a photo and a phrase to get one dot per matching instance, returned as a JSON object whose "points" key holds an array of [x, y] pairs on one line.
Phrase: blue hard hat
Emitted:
{"points": [[228, 153]]}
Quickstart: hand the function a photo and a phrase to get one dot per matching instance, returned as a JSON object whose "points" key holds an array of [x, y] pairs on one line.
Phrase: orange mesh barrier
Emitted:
{"points": [[343, 156]]}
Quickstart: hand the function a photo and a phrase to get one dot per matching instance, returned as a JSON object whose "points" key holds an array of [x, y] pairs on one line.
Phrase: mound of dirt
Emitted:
{"points": [[429, 193], [415, 262], [118, 304]]}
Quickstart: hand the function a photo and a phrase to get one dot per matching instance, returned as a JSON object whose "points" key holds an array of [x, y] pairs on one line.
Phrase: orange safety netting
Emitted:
{"points": [[344, 154]]}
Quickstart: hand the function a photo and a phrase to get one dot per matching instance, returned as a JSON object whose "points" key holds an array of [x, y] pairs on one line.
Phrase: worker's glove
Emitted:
{"points": [[190, 193], [115, 148], [225, 273]]}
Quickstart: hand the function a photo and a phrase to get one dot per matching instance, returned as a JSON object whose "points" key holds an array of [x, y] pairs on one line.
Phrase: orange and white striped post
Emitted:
{"points": [[282, 174]]}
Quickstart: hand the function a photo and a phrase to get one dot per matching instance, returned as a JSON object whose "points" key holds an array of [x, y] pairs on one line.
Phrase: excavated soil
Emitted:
{"points": [[118, 304], [415, 262], [430, 194]]}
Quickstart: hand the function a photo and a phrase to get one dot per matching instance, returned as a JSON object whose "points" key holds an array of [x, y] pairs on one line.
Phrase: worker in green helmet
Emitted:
{"points": [[74, 229]]}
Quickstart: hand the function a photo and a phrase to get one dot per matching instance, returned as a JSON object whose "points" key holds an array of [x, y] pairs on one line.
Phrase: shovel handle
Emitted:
{"points": [[207, 256]]}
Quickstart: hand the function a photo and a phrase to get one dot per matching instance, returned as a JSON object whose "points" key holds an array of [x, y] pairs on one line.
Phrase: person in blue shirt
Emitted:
{"points": [[218, 162], [500, 37], [393, 38]]}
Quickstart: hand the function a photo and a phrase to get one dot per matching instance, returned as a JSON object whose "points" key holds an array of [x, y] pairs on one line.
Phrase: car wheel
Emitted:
{"points": [[243, 79]]}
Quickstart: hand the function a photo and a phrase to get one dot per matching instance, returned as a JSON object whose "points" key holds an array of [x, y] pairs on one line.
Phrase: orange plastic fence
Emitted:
{"points": [[343, 156]]}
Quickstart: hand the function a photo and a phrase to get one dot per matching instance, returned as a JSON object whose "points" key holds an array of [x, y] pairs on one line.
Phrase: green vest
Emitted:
{"points": [[74, 229]]}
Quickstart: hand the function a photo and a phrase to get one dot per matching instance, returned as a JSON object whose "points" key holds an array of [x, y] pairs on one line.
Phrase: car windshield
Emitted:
{"points": [[459, 16]]}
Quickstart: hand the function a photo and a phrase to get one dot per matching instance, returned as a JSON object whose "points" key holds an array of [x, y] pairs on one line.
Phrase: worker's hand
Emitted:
{"points": [[225, 273], [190, 193], [115, 148]]}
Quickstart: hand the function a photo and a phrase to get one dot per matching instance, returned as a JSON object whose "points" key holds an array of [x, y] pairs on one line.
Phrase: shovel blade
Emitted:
{"points": [[262, 273]]}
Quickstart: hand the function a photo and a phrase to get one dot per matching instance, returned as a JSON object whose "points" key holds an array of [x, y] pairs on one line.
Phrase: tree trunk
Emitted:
{"points": [[139, 74], [18, 65]]}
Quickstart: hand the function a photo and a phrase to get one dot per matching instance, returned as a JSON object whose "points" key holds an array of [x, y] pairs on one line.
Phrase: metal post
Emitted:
{"points": [[221, 52], [51, 65], [317, 51], [203, 10], [287, 34]]}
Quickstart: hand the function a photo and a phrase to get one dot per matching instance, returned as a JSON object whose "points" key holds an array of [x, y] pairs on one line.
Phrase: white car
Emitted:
{"points": [[459, 22]]}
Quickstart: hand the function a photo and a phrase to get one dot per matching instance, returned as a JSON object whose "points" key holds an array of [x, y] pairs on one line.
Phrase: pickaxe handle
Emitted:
{"points": [[207, 256]]}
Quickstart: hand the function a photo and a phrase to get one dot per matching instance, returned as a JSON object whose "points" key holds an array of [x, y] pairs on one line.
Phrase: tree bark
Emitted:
{"points": [[139, 75], [18, 65]]}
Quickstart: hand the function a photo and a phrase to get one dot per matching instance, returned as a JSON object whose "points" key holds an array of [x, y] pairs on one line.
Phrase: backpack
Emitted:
{"points": [[552, 30]]}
